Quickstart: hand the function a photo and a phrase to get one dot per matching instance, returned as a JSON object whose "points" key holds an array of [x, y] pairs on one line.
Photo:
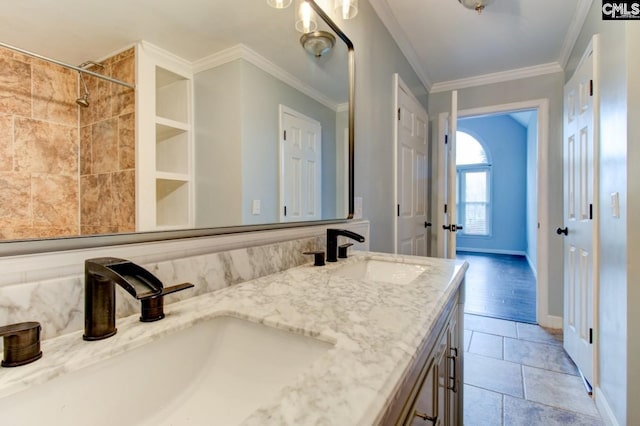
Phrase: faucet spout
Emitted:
{"points": [[101, 276], [332, 241]]}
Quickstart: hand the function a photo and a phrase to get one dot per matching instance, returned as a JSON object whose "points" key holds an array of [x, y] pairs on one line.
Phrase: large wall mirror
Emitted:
{"points": [[231, 118]]}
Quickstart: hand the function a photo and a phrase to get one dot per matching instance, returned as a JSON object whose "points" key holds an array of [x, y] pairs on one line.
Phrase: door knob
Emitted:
{"points": [[427, 224], [561, 231], [452, 227]]}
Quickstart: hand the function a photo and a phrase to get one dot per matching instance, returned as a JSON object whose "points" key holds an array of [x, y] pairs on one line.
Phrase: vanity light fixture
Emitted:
{"points": [[279, 4], [346, 9], [318, 43], [305, 19], [477, 5]]}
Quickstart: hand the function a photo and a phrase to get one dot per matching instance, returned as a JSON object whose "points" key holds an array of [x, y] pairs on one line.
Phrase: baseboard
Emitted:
{"points": [[605, 409], [532, 266], [491, 251], [550, 321]]}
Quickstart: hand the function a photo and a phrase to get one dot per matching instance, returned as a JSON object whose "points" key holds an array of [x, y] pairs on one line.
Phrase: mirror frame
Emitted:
{"points": [[25, 247]]}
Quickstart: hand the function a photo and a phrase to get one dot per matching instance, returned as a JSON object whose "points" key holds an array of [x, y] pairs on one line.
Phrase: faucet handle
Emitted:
{"points": [[318, 257], [21, 343], [342, 250], [153, 307]]}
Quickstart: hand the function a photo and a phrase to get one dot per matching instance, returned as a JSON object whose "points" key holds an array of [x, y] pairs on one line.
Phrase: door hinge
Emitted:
{"points": [[445, 209], [591, 336], [285, 135], [398, 114], [590, 87], [446, 139], [398, 210], [590, 211], [285, 210]]}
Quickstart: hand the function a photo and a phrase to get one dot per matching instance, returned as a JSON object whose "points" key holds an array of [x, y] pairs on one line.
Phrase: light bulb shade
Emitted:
{"points": [[305, 17], [279, 4], [346, 9]]}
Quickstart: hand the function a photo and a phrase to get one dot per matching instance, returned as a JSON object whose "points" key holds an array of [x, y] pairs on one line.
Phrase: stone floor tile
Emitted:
{"points": [[541, 355], [493, 374], [519, 412], [482, 407], [467, 339], [557, 390], [490, 325], [535, 333], [486, 344]]}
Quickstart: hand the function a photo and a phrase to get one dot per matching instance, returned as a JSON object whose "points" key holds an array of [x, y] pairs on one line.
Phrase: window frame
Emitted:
{"points": [[461, 170]]}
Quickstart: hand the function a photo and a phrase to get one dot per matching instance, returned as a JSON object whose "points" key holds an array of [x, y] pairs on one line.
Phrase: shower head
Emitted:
{"points": [[90, 63], [83, 100]]}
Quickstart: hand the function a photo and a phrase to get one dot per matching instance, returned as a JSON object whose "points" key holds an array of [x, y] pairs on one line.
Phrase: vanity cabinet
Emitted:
{"points": [[165, 187], [431, 393]]}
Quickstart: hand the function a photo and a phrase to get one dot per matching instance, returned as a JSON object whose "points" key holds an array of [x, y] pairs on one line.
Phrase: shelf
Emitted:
{"points": [[172, 202], [167, 128], [172, 177]]}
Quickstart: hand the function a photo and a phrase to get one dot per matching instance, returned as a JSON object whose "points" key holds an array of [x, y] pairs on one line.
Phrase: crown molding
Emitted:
{"points": [[497, 77], [382, 9], [240, 51], [582, 10]]}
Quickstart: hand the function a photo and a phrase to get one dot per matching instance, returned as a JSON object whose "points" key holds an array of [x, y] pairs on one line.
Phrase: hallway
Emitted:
{"points": [[518, 374], [500, 286]]}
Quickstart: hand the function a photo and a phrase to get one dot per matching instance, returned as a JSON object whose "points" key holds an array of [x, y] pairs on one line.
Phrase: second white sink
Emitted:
{"points": [[382, 271]]}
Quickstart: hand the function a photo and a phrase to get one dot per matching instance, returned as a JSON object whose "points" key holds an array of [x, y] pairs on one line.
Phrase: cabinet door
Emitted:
{"points": [[454, 368], [425, 407]]}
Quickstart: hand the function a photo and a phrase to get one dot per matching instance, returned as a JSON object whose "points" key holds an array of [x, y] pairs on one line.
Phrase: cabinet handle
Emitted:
{"points": [[454, 388], [424, 416]]}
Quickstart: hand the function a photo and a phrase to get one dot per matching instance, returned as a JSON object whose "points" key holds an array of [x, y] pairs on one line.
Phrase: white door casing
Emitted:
{"points": [[300, 167], [580, 147], [412, 173], [449, 212]]}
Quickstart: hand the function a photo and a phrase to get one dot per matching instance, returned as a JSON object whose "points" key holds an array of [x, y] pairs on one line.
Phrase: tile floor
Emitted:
{"points": [[518, 374]]}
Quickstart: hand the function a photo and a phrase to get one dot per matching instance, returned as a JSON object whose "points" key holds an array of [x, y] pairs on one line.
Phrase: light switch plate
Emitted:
{"points": [[255, 207], [615, 204]]}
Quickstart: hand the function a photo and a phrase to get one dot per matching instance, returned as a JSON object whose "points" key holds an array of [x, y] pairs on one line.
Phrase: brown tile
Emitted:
{"points": [[99, 99], [6, 143], [127, 142], [54, 232], [15, 87], [104, 146], [42, 147], [123, 98], [122, 55], [10, 54], [98, 230], [15, 200], [85, 151], [124, 197], [96, 202], [55, 90], [55, 201]]}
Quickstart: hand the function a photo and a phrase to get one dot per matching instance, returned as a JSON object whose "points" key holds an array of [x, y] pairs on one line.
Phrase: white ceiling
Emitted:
{"points": [[453, 47]]}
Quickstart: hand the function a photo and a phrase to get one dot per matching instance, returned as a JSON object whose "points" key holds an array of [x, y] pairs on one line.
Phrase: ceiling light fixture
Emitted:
{"points": [[318, 43], [279, 4], [477, 5], [346, 9], [305, 19]]}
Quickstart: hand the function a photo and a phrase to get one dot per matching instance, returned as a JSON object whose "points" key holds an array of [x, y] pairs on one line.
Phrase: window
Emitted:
{"points": [[473, 203]]}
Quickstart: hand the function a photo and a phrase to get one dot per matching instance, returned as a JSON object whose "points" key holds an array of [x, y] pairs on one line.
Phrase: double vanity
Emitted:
{"points": [[349, 343]]}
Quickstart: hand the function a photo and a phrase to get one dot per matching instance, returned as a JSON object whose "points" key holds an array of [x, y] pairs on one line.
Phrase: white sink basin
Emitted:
{"points": [[381, 270], [216, 372]]}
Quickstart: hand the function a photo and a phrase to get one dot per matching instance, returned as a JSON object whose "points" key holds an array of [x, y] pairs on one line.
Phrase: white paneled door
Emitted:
{"points": [[579, 228], [301, 167], [412, 179]]}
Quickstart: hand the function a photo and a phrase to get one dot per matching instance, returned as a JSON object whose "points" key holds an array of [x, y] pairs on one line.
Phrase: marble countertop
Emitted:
{"points": [[376, 329]]}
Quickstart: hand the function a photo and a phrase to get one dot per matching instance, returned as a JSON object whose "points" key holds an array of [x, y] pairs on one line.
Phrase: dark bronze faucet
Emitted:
{"points": [[332, 241], [101, 276], [21, 343]]}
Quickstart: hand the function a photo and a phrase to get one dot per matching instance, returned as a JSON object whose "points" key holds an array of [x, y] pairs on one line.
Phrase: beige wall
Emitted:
{"points": [[40, 149]]}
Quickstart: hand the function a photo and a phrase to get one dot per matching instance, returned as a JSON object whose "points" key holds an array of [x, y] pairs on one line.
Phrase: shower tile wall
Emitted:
{"points": [[41, 139], [107, 150], [38, 148]]}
